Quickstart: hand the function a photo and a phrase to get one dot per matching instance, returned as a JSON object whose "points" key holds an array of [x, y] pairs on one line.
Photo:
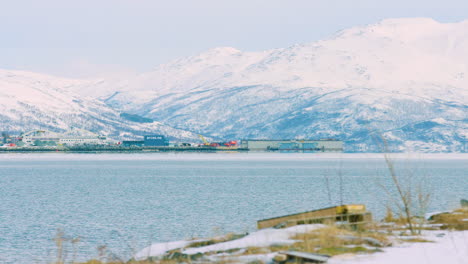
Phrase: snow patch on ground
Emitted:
{"points": [[452, 247], [159, 249], [262, 238]]}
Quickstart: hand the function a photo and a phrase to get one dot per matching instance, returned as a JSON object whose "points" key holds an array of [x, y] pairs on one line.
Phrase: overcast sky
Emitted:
{"points": [[88, 38]]}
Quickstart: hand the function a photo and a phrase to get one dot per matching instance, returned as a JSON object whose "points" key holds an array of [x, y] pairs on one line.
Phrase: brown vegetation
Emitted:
{"points": [[330, 240], [456, 220]]}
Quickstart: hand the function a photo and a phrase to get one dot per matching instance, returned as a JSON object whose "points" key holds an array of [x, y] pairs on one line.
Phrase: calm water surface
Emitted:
{"points": [[127, 201]]}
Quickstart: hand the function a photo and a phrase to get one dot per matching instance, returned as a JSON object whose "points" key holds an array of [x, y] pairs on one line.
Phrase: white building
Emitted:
{"points": [[70, 138], [81, 137], [326, 145]]}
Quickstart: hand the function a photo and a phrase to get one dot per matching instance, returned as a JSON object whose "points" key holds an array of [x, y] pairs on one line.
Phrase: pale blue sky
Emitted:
{"points": [[86, 38]]}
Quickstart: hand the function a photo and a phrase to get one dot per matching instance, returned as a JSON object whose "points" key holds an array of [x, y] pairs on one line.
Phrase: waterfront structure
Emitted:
{"points": [[155, 141], [351, 214], [81, 137], [133, 143], [40, 137], [325, 145], [70, 138], [9, 140], [148, 141]]}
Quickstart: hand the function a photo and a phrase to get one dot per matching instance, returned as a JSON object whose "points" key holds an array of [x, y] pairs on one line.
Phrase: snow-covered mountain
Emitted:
{"points": [[406, 79], [30, 101]]}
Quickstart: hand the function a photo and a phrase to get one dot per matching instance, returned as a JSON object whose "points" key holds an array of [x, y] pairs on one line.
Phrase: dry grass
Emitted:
{"points": [[225, 238], [94, 261], [417, 240], [256, 262], [333, 251], [256, 250], [277, 248], [331, 240], [321, 238], [453, 220]]}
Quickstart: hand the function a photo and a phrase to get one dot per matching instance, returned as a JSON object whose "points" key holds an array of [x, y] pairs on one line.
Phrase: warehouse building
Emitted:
{"points": [[40, 138], [155, 141], [81, 137], [133, 143], [148, 141], [326, 145], [69, 138]]}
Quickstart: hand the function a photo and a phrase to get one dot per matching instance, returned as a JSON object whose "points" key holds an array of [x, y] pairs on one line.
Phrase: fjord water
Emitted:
{"points": [[127, 201]]}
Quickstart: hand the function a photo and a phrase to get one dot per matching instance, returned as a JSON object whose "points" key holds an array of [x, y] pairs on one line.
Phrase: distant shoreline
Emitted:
{"points": [[118, 149], [103, 150]]}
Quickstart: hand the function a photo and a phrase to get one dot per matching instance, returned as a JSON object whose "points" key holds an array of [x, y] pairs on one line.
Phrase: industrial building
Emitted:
{"points": [[69, 138], [155, 141], [10, 141], [81, 137], [325, 145], [148, 141], [133, 143]]}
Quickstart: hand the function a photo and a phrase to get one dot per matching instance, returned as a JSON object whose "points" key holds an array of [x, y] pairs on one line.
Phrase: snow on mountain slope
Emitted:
{"points": [[405, 78], [394, 51], [31, 101]]}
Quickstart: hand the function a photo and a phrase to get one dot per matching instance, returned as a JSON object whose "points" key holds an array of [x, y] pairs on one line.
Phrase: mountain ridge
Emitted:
{"points": [[32, 101], [403, 79], [386, 77]]}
